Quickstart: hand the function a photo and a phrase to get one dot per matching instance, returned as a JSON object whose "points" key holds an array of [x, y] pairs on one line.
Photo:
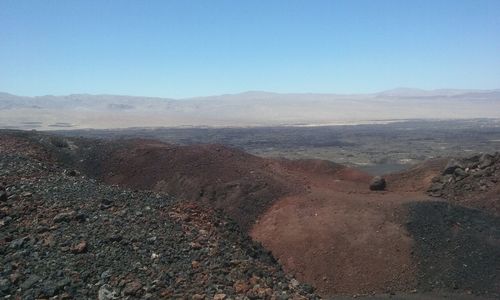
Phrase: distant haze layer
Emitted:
{"points": [[245, 109]]}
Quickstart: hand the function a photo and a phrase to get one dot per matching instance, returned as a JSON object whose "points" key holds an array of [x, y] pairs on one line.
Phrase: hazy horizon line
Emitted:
{"points": [[400, 89]]}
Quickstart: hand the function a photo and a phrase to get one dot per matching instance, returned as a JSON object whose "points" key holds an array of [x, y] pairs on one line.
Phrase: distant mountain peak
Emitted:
{"points": [[414, 92]]}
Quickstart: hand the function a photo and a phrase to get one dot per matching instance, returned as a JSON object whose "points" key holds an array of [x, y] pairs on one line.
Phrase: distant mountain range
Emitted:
{"points": [[254, 108]]}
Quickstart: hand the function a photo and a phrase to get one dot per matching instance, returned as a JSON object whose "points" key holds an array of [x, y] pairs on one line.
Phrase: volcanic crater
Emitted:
{"points": [[319, 219]]}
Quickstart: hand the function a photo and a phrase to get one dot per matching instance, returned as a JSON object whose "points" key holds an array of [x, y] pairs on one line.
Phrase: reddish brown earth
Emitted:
{"points": [[241, 184], [342, 237], [11, 145], [318, 218], [418, 178]]}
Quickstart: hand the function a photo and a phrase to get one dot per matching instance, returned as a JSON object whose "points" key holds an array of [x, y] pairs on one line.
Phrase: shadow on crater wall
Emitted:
{"points": [[456, 248]]}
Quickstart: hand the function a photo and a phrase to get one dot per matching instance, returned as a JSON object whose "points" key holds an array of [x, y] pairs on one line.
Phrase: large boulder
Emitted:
{"points": [[436, 189], [452, 166], [377, 184], [486, 160], [3, 193], [3, 196]]}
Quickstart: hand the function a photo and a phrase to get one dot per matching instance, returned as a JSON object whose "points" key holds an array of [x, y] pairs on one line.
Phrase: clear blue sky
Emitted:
{"points": [[190, 48]]}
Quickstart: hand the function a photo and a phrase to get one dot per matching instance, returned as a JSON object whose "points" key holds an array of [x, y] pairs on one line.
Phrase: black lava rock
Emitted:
{"points": [[377, 184]]}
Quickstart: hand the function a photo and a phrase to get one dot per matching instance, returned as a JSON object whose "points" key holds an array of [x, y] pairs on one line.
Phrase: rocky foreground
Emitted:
{"points": [[65, 236]]}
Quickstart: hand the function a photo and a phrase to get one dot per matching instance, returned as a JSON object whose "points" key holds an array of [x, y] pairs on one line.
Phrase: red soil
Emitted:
{"points": [[317, 217], [340, 236], [417, 178], [11, 144], [241, 184]]}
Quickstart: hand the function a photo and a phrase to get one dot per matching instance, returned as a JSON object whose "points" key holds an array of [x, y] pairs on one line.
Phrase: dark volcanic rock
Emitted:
{"points": [[65, 242], [486, 160], [436, 188], [4, 286], [132, 288], [64, 217], [81, 247], [3, 196], [28, 283], [106, 292], [460, 173], [377, 184], [72, 173], [457, 247], [474, 182], [452, 166]]}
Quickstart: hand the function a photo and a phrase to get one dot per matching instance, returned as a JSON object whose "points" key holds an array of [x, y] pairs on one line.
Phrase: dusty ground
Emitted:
{"points": [[342, 237]]}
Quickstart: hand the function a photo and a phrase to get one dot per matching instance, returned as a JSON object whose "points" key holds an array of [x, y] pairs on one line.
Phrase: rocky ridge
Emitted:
{"points": [[66, 236], [471, 181]]}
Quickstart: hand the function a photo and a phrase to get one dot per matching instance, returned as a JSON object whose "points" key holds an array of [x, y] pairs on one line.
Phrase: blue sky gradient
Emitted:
{"points": [[192, 48]]}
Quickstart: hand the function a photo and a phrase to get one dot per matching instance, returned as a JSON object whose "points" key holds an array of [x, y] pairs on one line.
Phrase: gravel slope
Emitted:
{"points": [[66, 236]]}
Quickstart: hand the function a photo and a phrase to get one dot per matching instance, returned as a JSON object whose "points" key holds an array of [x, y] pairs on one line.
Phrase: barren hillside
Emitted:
{"points": [[317, 218]]}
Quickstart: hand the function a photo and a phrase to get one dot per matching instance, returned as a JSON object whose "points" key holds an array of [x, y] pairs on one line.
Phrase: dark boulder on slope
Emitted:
{"points": [[3, 196], [452, 166], [378, 184], [3, 193]]}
